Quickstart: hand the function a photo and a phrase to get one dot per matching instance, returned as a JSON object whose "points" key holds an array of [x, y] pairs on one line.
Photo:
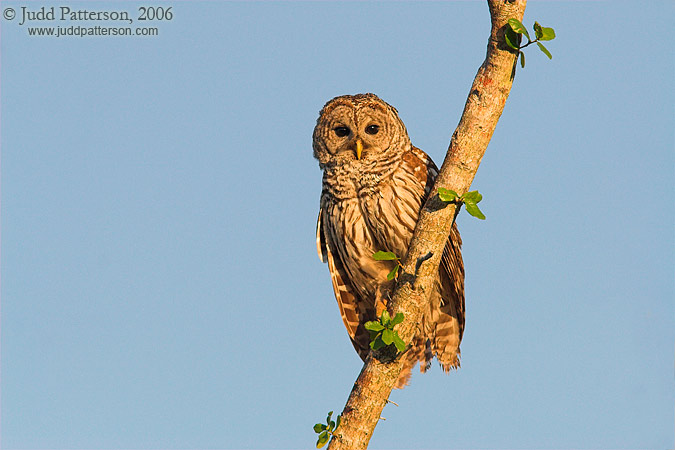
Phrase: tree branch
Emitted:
{"points": [[483, 108]]}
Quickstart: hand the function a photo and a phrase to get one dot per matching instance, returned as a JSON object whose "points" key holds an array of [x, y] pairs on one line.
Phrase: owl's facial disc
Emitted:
{"points": [[373, 130], [359, 130]]}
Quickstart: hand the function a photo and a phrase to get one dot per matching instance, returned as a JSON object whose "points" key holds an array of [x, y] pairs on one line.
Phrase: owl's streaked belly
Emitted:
{"points": [[377, 219]]}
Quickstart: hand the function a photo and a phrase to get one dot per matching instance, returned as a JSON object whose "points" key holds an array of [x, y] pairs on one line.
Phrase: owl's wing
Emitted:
{"points": [[320, 239], [449, 327], [452, 282], [352, 308]]}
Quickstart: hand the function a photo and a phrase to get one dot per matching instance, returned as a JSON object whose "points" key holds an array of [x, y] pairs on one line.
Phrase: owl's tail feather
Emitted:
{"points": [[452, 363], [420, 350], [423, 350], [445, 340]]}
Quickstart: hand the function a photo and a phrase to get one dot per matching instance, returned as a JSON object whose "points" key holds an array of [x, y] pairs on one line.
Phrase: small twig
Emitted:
{"points": [[420, 260]]}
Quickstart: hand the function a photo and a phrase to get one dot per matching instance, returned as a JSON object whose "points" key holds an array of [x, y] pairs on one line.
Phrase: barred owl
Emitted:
{"points": [[375, 183]]}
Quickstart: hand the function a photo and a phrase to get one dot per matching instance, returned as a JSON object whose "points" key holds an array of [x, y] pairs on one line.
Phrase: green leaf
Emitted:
{"points": [[472, 197], [373, 326], [385, 319], [545, 50], [339, 420], [522, 59], [517, 26], [377, 344], [549, 34], [447, 195], [537, 30], [391, 275], [385, 256], [323, 438], [398, 318], [512, 38], [544, 33], [388, 337], [398, 342], [319, 427], [331, 425], [472, 209], [330, 413]]}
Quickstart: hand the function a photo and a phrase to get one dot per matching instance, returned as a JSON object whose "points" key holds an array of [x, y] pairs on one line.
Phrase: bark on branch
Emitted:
{"points": [[483, 108]]}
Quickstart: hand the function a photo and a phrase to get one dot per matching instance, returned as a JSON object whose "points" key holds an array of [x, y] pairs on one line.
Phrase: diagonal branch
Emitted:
{"points": [[483, 108]]}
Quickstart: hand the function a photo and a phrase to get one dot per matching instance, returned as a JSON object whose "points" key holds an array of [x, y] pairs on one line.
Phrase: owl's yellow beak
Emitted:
{"points": [[359, 148]]}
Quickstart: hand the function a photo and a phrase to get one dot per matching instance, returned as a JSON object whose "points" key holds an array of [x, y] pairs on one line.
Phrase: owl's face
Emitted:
{"points": [[358, 129]]}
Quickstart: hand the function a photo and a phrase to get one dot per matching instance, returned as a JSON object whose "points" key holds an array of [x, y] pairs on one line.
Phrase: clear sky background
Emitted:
{"points": [[160, 284]]}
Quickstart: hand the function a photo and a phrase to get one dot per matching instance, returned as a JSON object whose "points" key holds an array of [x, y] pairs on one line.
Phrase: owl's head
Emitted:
{"points": [[354, 129]]}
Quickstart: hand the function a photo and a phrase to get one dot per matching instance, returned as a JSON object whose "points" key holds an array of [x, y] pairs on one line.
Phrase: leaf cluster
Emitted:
{"points": [[388, 256], [469, 199], [382, 333], [325, 431], [514, 33]]}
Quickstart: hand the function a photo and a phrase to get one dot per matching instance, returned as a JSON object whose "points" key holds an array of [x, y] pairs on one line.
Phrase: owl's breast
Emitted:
{"points": [[392, 210], [374, 218], [356, 243]]}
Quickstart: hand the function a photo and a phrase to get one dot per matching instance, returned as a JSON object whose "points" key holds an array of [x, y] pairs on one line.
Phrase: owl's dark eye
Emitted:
{"points": [[372, 129], [341, 131]]}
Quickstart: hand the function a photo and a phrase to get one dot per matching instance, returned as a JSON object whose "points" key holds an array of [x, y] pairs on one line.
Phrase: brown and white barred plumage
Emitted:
{"points": [[371, 202]]}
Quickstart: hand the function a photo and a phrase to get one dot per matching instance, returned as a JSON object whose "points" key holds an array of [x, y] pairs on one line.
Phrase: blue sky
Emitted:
{"points": [[160, 284]]}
